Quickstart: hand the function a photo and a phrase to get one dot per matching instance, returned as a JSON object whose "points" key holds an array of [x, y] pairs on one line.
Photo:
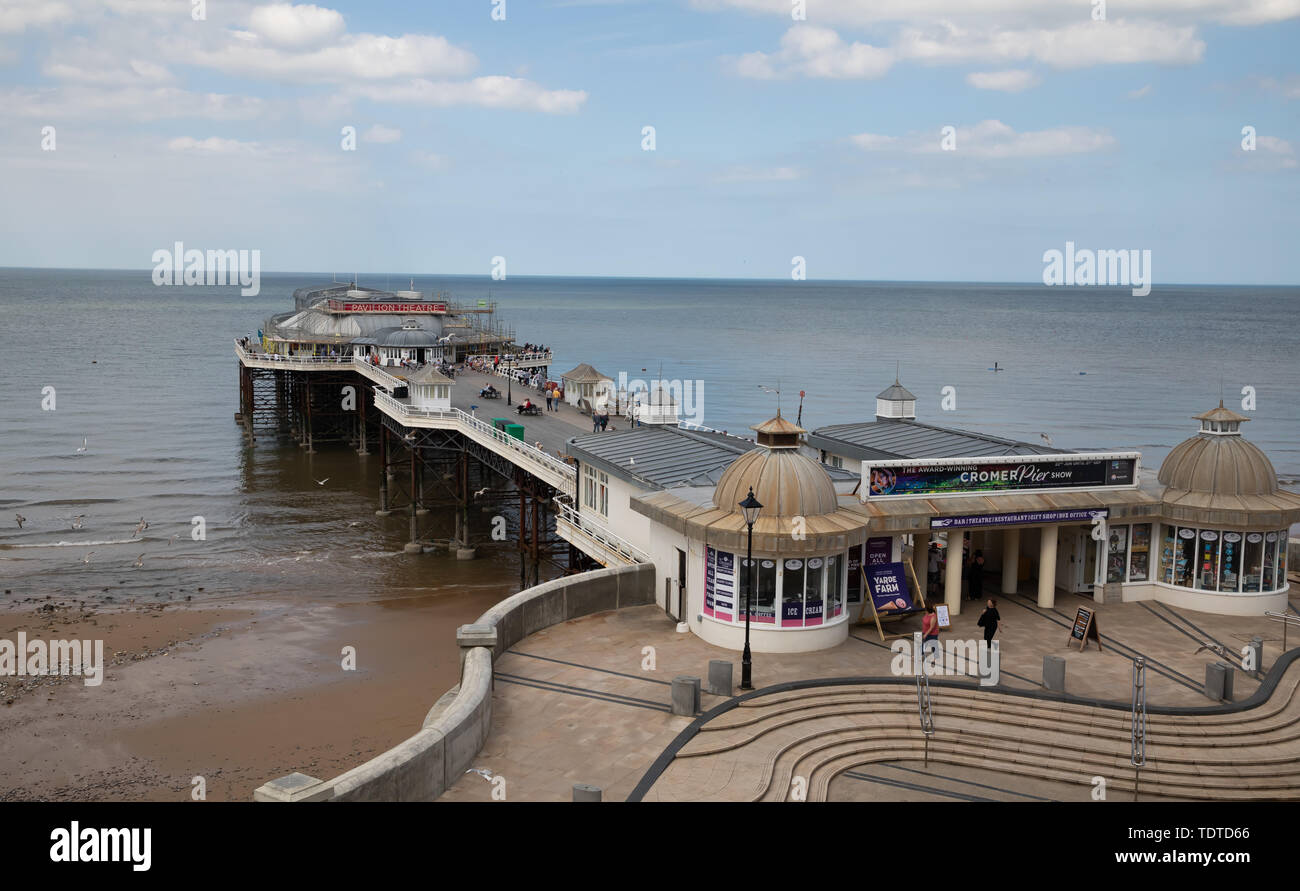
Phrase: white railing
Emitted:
{"points": [[527, 359], [553, 470], [600, 534], [377, 373], [257, 357]]}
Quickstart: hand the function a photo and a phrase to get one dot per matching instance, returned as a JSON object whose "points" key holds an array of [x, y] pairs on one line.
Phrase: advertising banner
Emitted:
{"points": [[888, 586], [992, 476], [1034, 516]]}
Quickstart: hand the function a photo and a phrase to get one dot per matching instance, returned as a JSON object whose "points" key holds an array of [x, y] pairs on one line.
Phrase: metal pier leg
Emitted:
{"points": [[361, 404], [383, 473]]}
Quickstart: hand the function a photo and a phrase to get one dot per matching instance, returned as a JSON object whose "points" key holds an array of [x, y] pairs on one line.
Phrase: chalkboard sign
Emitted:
{"points": [[1084, 629]]}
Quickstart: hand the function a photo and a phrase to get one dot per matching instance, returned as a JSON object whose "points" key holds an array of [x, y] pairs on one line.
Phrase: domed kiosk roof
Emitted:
{"points": [[785, 482], [1217, 461]]}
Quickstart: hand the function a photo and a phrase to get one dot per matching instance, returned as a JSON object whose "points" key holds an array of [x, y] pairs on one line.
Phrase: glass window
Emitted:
{"points": [[855, 574], [1207, 561], [1185, 558], [1139, 553], [765, 602], [1117, 554], [1252, 563], [1230, 562], [812, 591], [1281, 558], [1167, 555], [792, 593], [834, 589], [1270, 554]]}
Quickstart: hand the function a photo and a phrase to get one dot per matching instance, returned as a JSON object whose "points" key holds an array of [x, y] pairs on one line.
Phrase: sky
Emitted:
{"points": [[782, 129]]}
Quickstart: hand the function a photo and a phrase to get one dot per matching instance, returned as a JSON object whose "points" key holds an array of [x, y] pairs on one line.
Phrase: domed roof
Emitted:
{"points": [[1219, 463], [785, 482]]}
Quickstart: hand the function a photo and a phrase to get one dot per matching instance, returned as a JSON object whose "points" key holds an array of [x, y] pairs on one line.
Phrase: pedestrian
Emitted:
{"points": [[548, 400], [595, 422], [933, 567], [990, 621], [930, 629], [976, 581]]}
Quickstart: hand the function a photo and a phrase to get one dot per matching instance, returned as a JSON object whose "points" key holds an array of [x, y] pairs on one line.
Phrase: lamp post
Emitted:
{"points": [[750, 508], [509, 380]]}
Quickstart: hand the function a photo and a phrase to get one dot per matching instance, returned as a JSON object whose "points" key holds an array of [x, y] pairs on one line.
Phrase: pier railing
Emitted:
{"points": [[624, 551], [547, 468], [259, 359], [377, 374]]}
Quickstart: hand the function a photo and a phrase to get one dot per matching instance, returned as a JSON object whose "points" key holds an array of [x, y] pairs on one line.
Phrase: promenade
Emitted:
{"points": [[573, 703]]}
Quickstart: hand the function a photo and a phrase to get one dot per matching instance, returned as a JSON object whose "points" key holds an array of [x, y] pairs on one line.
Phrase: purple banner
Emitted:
{"points": [[1039, 516], [888, 584], [997, 476], [879, 550]]}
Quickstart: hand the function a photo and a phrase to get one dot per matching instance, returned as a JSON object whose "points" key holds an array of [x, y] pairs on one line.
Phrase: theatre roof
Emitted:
{"points": [[894, 439]]}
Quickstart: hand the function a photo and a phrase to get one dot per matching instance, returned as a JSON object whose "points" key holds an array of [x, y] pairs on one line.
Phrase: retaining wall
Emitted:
{"points": [[428, 763]]}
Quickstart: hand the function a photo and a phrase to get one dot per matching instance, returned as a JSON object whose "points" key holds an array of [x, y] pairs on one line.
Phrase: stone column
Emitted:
{"points": [[921, 559], [1010, 560], [952, 573], [1047, 567]]}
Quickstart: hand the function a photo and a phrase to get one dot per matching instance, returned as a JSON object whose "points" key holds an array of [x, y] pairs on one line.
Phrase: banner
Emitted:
{"points": [[1034, 516], [888, 585], [879, 550], [994, 476]]}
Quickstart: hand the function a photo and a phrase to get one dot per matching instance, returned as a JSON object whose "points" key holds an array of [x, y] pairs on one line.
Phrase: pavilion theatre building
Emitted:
{"points": [[1209, 533]]}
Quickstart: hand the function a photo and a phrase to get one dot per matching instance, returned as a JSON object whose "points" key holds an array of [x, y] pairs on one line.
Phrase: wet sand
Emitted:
{"points": [[237, 692]]}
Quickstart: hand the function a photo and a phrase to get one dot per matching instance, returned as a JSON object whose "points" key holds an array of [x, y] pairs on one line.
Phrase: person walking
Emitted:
{"points": [[975, 582], [548, 400], [933, 567], [990, 621], [929, 630]]}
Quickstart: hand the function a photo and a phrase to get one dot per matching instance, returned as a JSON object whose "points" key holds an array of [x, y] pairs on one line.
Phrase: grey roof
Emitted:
{"points": [[895, 392], [663, 456], [584, 372], [428, 374], [396, 336], [890, 439]]}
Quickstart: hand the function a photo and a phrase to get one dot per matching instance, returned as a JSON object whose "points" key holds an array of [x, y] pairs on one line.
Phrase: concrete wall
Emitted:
{"points": [[424, 766]]}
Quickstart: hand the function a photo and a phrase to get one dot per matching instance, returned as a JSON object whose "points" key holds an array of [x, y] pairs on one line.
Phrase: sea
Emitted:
{"points": [[143, 379]]}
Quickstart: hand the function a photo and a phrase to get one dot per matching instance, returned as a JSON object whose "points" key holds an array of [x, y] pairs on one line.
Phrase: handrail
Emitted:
{"points": [[925, 711], [371, 368], [601, 534], [251, 356], [1287, 621], [1138, 733]]}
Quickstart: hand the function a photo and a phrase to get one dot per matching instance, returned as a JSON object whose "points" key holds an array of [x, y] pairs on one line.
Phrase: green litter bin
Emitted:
{"points": [[515, 430], [501, 423]]}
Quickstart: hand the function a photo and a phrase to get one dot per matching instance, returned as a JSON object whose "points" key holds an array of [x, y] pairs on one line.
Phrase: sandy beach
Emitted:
{"points": [[237, 692]]}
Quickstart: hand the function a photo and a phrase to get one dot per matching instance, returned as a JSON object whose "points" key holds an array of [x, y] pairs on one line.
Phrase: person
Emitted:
{"points": [[929, 629], [548, 400], [990, 620], [933, 566], [976, 581]]}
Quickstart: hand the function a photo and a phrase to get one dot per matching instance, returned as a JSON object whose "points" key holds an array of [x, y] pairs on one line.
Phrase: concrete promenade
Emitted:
{"points": [[553, 429], [573, 703]]}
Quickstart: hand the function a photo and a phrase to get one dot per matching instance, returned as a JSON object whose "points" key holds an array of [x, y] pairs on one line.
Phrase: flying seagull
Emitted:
{"points": [[21, 519], [480, 492], [86, 559], [141, 528], [139, 561], [76, 521], [322, 482], [84, 443], [1047, 439], [481, 771], [173, 538]]}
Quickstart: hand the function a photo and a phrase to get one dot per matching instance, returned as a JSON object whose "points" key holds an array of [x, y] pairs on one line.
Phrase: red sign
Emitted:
{"points": [[340, 306]]}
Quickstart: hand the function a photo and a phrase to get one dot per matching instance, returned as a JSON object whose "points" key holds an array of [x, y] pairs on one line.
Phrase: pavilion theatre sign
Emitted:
{"points": [[403, 308], [1020, 474]]}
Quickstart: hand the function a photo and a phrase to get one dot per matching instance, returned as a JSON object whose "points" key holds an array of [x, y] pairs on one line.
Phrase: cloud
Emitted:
{"points": [[993, 140], [366, 57], [744, 174], [214, 145], [1010, 81], [79, 101], [295, 26], [1288, 88], [496, 91], [431, 160], [1140, 93], [813, 51], [16, 16], [380, 133]]}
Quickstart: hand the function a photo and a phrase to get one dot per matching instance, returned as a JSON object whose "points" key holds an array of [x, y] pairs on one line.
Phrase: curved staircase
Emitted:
{"points": [[755, 750]]}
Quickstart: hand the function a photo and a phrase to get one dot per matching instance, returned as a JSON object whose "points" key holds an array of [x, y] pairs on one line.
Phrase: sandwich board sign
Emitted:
{"points": [[941, 610], [1084, 629]]}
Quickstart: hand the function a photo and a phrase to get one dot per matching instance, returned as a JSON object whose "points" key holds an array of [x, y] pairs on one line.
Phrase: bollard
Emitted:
{"points": [[686, 695], [1227, 680], [1257, 647], [1214, 681], [1054, 673], [720, 677], [585, 792]]}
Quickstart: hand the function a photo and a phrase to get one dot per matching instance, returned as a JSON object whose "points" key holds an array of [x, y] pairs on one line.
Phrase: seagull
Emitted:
{"points": [[172, 540], [768, 389], [139, 561], [481, 771], [141, 528], [322, 482], [86, 559], [1047, 439], [21, 519], [84, 443], [76, 521], [480, 492]]}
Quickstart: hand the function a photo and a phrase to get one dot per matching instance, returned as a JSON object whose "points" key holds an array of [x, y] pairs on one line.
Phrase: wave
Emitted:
{"points": [[76, 544]]}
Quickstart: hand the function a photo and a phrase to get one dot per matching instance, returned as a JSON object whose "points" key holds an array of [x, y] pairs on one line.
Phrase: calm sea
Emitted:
{"points": [[147, 376]]}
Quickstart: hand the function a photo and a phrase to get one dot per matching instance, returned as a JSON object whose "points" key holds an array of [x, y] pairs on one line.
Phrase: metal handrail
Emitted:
{"points": [[393, 380], [926, 712], [1138, 734], [601, 534], [289, 360], [1287, 621]]}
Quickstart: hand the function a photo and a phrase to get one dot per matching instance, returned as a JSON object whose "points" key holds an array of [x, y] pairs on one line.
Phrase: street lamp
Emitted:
{"points": [[750, 508]]}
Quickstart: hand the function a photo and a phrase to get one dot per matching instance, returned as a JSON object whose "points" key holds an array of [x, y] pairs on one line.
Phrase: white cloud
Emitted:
{"points": [[16, 16], [1014, 80], [1140, 93], [215, 145], [744, 174], [495, 91], [380, 133], [1288, 87], [295, 26], [80, 101], [813, 51], [355, 57], [431, 160], [994, 140]]}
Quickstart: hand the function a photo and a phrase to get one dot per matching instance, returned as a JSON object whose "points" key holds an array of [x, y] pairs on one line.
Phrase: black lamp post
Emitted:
{"points": [[509, 380], [750, 508]]}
